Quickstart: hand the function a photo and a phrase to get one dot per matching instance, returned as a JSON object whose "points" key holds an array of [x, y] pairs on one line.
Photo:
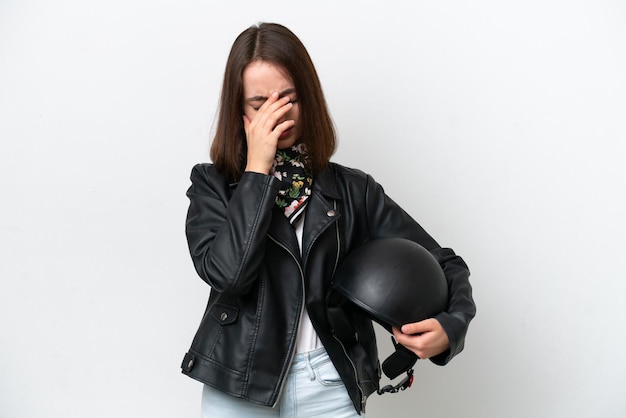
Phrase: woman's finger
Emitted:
{"points": [[268, 117]]}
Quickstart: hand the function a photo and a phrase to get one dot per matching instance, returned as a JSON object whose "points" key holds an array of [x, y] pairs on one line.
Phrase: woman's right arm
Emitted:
{"points": [[226, 236]]}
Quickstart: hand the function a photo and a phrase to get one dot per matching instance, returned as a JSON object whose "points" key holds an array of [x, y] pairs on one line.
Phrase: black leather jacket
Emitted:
{"points": [[245, 249]]}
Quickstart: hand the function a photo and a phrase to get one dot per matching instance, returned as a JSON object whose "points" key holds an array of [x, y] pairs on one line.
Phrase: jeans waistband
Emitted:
{"points": [[304, 361]]}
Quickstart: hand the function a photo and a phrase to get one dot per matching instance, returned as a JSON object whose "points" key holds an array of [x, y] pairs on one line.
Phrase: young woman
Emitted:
{"points": [[268, 223]]}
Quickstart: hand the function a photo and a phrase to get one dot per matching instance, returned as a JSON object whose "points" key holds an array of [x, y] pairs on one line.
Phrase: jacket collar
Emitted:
{"points": [[325, 183], [320, 214]]}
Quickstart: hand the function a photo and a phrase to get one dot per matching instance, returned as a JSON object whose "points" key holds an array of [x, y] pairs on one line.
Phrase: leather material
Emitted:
{"points": [[245, 249]]}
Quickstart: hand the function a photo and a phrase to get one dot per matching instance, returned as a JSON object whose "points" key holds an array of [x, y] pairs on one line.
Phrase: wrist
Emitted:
{"points": [[258, 168]]}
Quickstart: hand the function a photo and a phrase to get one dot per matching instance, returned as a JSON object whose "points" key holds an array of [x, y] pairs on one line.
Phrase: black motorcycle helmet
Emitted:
{"points": [[395, 281]]}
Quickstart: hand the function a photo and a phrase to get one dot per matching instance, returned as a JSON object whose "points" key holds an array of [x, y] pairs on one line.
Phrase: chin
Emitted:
{"points": [[286, 143]]}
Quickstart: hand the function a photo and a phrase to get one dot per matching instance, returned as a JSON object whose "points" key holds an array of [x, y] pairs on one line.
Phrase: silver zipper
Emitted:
{"points": [[356, 375], [293, 351], [363, 398], [338, 240]]}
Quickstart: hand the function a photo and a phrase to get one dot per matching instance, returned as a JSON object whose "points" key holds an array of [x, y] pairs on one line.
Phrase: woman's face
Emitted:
{"points": [[260, 80]]}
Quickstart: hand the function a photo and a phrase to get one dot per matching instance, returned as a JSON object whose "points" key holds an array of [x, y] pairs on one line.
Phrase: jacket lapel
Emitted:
{"points": [[321, 210], [283, 232]]}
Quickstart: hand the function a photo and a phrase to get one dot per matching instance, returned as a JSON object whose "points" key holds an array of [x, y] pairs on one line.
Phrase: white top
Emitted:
{"points": [[307, 337]]}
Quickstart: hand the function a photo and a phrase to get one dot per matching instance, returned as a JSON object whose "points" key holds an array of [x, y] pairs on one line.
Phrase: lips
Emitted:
{"points": [[285, 134]]}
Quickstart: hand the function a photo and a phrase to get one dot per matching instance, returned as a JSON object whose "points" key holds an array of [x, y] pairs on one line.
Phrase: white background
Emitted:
{"points": [[498, 125]]}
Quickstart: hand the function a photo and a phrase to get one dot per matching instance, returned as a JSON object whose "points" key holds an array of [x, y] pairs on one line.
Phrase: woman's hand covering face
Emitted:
{"points": [[270, 113], [264, 130]]}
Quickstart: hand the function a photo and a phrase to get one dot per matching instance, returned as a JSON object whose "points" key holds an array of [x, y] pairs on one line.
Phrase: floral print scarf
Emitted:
{"points": [[296, 181]]}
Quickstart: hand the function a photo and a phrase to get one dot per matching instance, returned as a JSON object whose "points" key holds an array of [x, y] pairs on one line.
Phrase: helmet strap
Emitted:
{"points": [[403, 385], [399, 361]]}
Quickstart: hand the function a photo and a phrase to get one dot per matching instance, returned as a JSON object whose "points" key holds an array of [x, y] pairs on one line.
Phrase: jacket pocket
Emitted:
{"points": [[232, 340], [218, 317], [224, 314]]}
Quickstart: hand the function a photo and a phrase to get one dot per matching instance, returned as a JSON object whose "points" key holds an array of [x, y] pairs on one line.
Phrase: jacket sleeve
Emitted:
{"points": [[386, 219], [226, 235]]}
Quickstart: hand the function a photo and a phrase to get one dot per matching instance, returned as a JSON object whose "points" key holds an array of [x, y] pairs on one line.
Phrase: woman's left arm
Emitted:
{"points": [[442, 337]]}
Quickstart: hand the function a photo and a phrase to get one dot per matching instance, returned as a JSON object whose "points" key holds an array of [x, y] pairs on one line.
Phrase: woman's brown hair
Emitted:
{"points": [[275, 44]]}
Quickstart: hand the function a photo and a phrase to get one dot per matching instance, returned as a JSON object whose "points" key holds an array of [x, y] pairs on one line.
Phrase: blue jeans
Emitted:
{"points": [[313, 389]]}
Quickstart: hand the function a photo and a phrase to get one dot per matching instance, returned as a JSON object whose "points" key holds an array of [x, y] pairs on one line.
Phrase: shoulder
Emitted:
{"points": [[342, 172], [203, 169], [206, 179], [352, 178], [207, 173], [337, 180]]}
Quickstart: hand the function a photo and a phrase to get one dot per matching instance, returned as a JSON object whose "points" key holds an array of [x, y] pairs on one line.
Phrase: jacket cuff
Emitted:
{"points": [[254, 177]]}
